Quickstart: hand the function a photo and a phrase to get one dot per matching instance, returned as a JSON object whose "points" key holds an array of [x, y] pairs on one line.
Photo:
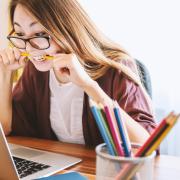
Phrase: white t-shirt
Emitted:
{"points": [[66, 107]]}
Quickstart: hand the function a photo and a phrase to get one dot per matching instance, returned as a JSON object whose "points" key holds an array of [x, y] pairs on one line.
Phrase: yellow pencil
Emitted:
{"points": [[171, 121], [45, 57]]}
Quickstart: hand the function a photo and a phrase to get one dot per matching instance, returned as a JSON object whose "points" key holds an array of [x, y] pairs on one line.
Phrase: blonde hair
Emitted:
{"points": [[73, 30]]}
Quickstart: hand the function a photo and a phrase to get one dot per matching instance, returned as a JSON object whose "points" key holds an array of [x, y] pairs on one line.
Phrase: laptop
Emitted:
{"points": [[19, 162]]}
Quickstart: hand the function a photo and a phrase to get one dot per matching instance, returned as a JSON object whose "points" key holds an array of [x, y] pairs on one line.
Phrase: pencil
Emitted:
{"points": [[104, 121], [172, 122], [167, 124], [114, 131], [45, 57], [122, 129], [101, 127], [142, 150]]}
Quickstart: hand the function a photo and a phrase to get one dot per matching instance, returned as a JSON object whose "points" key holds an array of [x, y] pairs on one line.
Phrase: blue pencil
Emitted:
{"points": [[123, 134], [101, 127], [104, 121]]}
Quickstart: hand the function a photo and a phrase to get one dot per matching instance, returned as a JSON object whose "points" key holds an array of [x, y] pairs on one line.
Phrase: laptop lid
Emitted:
{"points": [[7, 167]]}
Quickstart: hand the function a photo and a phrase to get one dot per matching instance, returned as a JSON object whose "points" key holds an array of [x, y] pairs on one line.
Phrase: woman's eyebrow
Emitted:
{"points": [[31, 24]]}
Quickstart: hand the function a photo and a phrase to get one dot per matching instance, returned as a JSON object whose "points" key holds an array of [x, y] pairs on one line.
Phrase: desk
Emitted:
{"points": [[166, 167]]}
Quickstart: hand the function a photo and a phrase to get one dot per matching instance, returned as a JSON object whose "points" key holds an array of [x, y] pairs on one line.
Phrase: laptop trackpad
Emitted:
{"points": [[23, 152]]}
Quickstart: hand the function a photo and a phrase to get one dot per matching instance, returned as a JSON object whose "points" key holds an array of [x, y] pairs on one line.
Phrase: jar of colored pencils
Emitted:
{"points": [[109, 167]]}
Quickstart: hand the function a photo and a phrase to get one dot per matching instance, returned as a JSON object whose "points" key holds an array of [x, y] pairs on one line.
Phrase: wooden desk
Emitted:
{"points": [[166, 167]]}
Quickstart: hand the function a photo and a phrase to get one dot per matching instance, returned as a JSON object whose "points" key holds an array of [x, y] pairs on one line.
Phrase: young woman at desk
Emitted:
{"points": [[50, 100]]}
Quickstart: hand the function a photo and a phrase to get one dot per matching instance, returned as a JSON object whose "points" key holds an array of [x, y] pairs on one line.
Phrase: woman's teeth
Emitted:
{"points": [[39, 58]]}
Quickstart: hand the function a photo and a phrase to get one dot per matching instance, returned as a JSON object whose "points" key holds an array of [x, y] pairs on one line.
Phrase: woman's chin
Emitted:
{"points": [[42, 69], [43, 65]]}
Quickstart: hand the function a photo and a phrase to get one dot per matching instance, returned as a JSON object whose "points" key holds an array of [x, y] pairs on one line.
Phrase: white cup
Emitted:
{"points": [[136, 168]]}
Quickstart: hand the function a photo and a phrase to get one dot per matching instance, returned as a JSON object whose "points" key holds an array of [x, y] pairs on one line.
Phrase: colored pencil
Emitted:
{"points": [[166, 124], [123, 132], [102, 116], [101, 127], [114, 131], [155, 145], [144, 148]]}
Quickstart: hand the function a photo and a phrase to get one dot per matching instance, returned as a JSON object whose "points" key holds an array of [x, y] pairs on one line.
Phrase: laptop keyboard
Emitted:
{"points": [[25, 167]]}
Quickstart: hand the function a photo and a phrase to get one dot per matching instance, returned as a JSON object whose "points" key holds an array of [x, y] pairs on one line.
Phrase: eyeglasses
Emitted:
{"points": [[38, 42]]}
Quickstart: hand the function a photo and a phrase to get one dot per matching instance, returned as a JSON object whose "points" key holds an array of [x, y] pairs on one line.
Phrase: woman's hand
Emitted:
{"points": [[69, 66], [11, 59]]}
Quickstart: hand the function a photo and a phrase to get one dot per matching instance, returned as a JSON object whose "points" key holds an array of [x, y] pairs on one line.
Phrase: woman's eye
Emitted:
{"points": [[40, 34], [19, 34]]}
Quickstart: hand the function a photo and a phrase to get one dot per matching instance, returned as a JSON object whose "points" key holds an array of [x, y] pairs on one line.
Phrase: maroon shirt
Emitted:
{"points": [[31, 105]]}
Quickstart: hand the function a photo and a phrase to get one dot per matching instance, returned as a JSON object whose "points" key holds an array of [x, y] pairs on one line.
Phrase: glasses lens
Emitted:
{"points": [[19, 43], [39, 42]]}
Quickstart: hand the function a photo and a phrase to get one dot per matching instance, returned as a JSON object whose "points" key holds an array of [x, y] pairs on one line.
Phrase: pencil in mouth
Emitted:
{"points": [[38, 58]]}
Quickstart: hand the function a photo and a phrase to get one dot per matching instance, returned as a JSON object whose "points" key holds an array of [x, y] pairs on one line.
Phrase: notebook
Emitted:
{"points": [[66, 176]]}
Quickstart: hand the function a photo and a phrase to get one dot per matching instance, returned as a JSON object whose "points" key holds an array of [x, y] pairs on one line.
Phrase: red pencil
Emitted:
{"points": [[141, 150]]}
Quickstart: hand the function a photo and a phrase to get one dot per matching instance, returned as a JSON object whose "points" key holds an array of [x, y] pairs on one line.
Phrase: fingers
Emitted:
{"points": [[17, 53], [11, 58], [59, 63], [1, 59], [62, 61], [22, 61], [4, 58]]}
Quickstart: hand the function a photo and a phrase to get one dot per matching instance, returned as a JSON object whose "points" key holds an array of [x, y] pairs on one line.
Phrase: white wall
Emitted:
{"points": [[150, 31]]}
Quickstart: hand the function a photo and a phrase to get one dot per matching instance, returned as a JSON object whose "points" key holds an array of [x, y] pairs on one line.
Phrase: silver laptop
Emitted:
{"points": [[19, 162]]}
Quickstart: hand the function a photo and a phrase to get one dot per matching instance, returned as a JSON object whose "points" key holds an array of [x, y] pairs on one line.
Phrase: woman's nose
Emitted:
{"points": [[29, 48]]}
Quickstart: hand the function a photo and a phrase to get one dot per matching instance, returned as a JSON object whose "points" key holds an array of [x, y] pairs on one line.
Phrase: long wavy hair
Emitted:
{"points": [[73, 30]]}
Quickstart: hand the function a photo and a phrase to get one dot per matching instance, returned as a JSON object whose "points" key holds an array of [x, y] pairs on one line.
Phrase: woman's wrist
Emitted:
{"points": [[93, 90], [88, 84], [6, 81], [6, 77]]}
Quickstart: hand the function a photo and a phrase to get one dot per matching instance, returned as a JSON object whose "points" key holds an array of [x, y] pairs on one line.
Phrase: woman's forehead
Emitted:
{"points": [[24, 19]]}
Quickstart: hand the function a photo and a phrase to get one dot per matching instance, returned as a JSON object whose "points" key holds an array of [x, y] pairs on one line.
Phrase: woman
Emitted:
{"points": [[51, 98]]}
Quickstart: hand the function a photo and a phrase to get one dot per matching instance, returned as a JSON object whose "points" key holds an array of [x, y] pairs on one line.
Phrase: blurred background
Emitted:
{"points": [[149, 30]]}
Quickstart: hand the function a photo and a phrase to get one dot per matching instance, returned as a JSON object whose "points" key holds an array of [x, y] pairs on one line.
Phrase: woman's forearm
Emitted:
{"points": [[96, 93], [6, 100], [136, 132]]}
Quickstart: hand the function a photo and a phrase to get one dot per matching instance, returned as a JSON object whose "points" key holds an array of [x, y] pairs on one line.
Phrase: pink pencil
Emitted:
{"points": [[114, 131]]}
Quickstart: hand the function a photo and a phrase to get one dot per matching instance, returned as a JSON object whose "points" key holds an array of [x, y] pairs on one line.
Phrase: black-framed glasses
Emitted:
{"points": [[38, 42]]}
